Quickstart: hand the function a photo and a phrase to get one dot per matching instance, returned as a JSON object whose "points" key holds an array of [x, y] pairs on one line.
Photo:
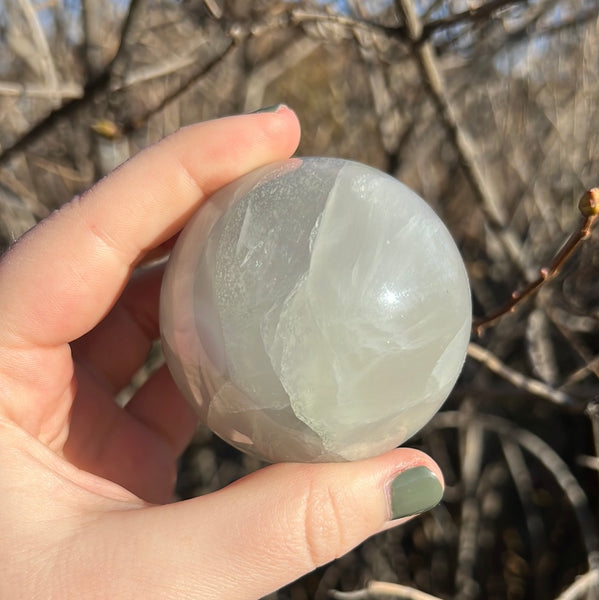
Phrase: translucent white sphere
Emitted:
{"points": [[315, 310]]}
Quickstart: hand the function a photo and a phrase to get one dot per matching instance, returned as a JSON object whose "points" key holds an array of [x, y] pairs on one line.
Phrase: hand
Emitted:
{"points": [[84, 484]]}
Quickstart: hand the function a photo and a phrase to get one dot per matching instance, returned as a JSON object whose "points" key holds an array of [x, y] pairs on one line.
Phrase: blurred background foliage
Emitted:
{"points": [[490, 110]]}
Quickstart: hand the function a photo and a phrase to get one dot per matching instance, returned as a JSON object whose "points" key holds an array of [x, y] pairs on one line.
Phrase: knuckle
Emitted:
{"points": [[324, 519]]}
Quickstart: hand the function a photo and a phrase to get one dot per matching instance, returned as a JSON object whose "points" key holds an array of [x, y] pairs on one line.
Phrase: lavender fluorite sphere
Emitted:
{"points": [[315, 310]]}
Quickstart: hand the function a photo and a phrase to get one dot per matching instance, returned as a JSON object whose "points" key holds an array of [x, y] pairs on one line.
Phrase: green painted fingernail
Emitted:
{"points": [[268, 109], [414, 491]]}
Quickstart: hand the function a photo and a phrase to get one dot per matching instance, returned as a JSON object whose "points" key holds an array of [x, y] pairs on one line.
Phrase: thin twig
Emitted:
{"points": [[87, 36], [593, 413], [540, 348], [48, 68], [302, 15], [472, 15], [589, 208], [380, 589], [529, 384], [591, 368], [590, 462], [523, 481], [582, 586], [576, 342], [63, 91], [471, 462]]}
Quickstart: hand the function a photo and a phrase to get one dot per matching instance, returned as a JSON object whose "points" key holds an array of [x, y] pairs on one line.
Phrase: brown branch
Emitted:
{"points": [[589, 208], [91, 91]]}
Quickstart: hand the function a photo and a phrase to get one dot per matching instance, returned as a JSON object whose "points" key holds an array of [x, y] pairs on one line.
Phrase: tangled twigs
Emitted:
{"points": [[589, 209]]}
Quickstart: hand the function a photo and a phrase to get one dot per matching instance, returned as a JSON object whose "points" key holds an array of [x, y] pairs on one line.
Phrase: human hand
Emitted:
{"points": [[85, 484]]}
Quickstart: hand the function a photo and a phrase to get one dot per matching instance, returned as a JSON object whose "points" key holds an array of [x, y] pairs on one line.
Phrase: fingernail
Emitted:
{"points": [[414, 491], [268, 109]]}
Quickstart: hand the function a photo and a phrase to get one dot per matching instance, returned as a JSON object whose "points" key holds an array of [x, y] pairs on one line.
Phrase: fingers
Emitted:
{"points": [[119, 345], [59, 280], [273, 526], [136, 447], [161, 407], [110, 442]]}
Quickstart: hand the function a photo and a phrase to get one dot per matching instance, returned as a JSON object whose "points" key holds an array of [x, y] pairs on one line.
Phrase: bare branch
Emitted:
{"points": [[472, 15], [591, 367], [589, 208], [380, 589], [110, 130], [303, 15], [63, 91], [91, 92], [593, 413], [590, 462], [48, 68], [582, 587], [484, 11], [523, 480], [532, 386], [179, 90], [215, 10], [471, 463]]}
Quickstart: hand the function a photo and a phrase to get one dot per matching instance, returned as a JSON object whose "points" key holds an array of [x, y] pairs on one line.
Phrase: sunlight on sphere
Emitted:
{"points": [[315, 310]]}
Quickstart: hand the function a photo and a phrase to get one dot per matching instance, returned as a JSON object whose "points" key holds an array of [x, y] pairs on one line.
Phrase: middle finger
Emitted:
{"points": [[119, 345]]}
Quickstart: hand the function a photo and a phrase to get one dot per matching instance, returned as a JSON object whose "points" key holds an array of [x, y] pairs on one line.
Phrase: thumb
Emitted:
{"points": [[272, 526]]}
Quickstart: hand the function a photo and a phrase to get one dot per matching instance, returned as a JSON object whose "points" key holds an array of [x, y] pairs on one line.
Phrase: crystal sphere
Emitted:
{"points": [[316, 309]]}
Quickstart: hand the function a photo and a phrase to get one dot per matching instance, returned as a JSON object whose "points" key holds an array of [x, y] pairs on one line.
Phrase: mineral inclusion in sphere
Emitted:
{"points": [[315, 310]]}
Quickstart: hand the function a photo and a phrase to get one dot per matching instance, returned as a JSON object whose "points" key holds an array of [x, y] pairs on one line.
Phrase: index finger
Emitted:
{"points": [[62, 277]]}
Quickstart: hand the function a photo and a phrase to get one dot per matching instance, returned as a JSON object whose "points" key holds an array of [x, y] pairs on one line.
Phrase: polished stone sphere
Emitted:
{"points": [[315, 310]]}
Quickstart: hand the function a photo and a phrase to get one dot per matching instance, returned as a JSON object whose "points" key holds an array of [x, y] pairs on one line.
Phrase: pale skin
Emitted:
{"points": [[86, 486]]}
